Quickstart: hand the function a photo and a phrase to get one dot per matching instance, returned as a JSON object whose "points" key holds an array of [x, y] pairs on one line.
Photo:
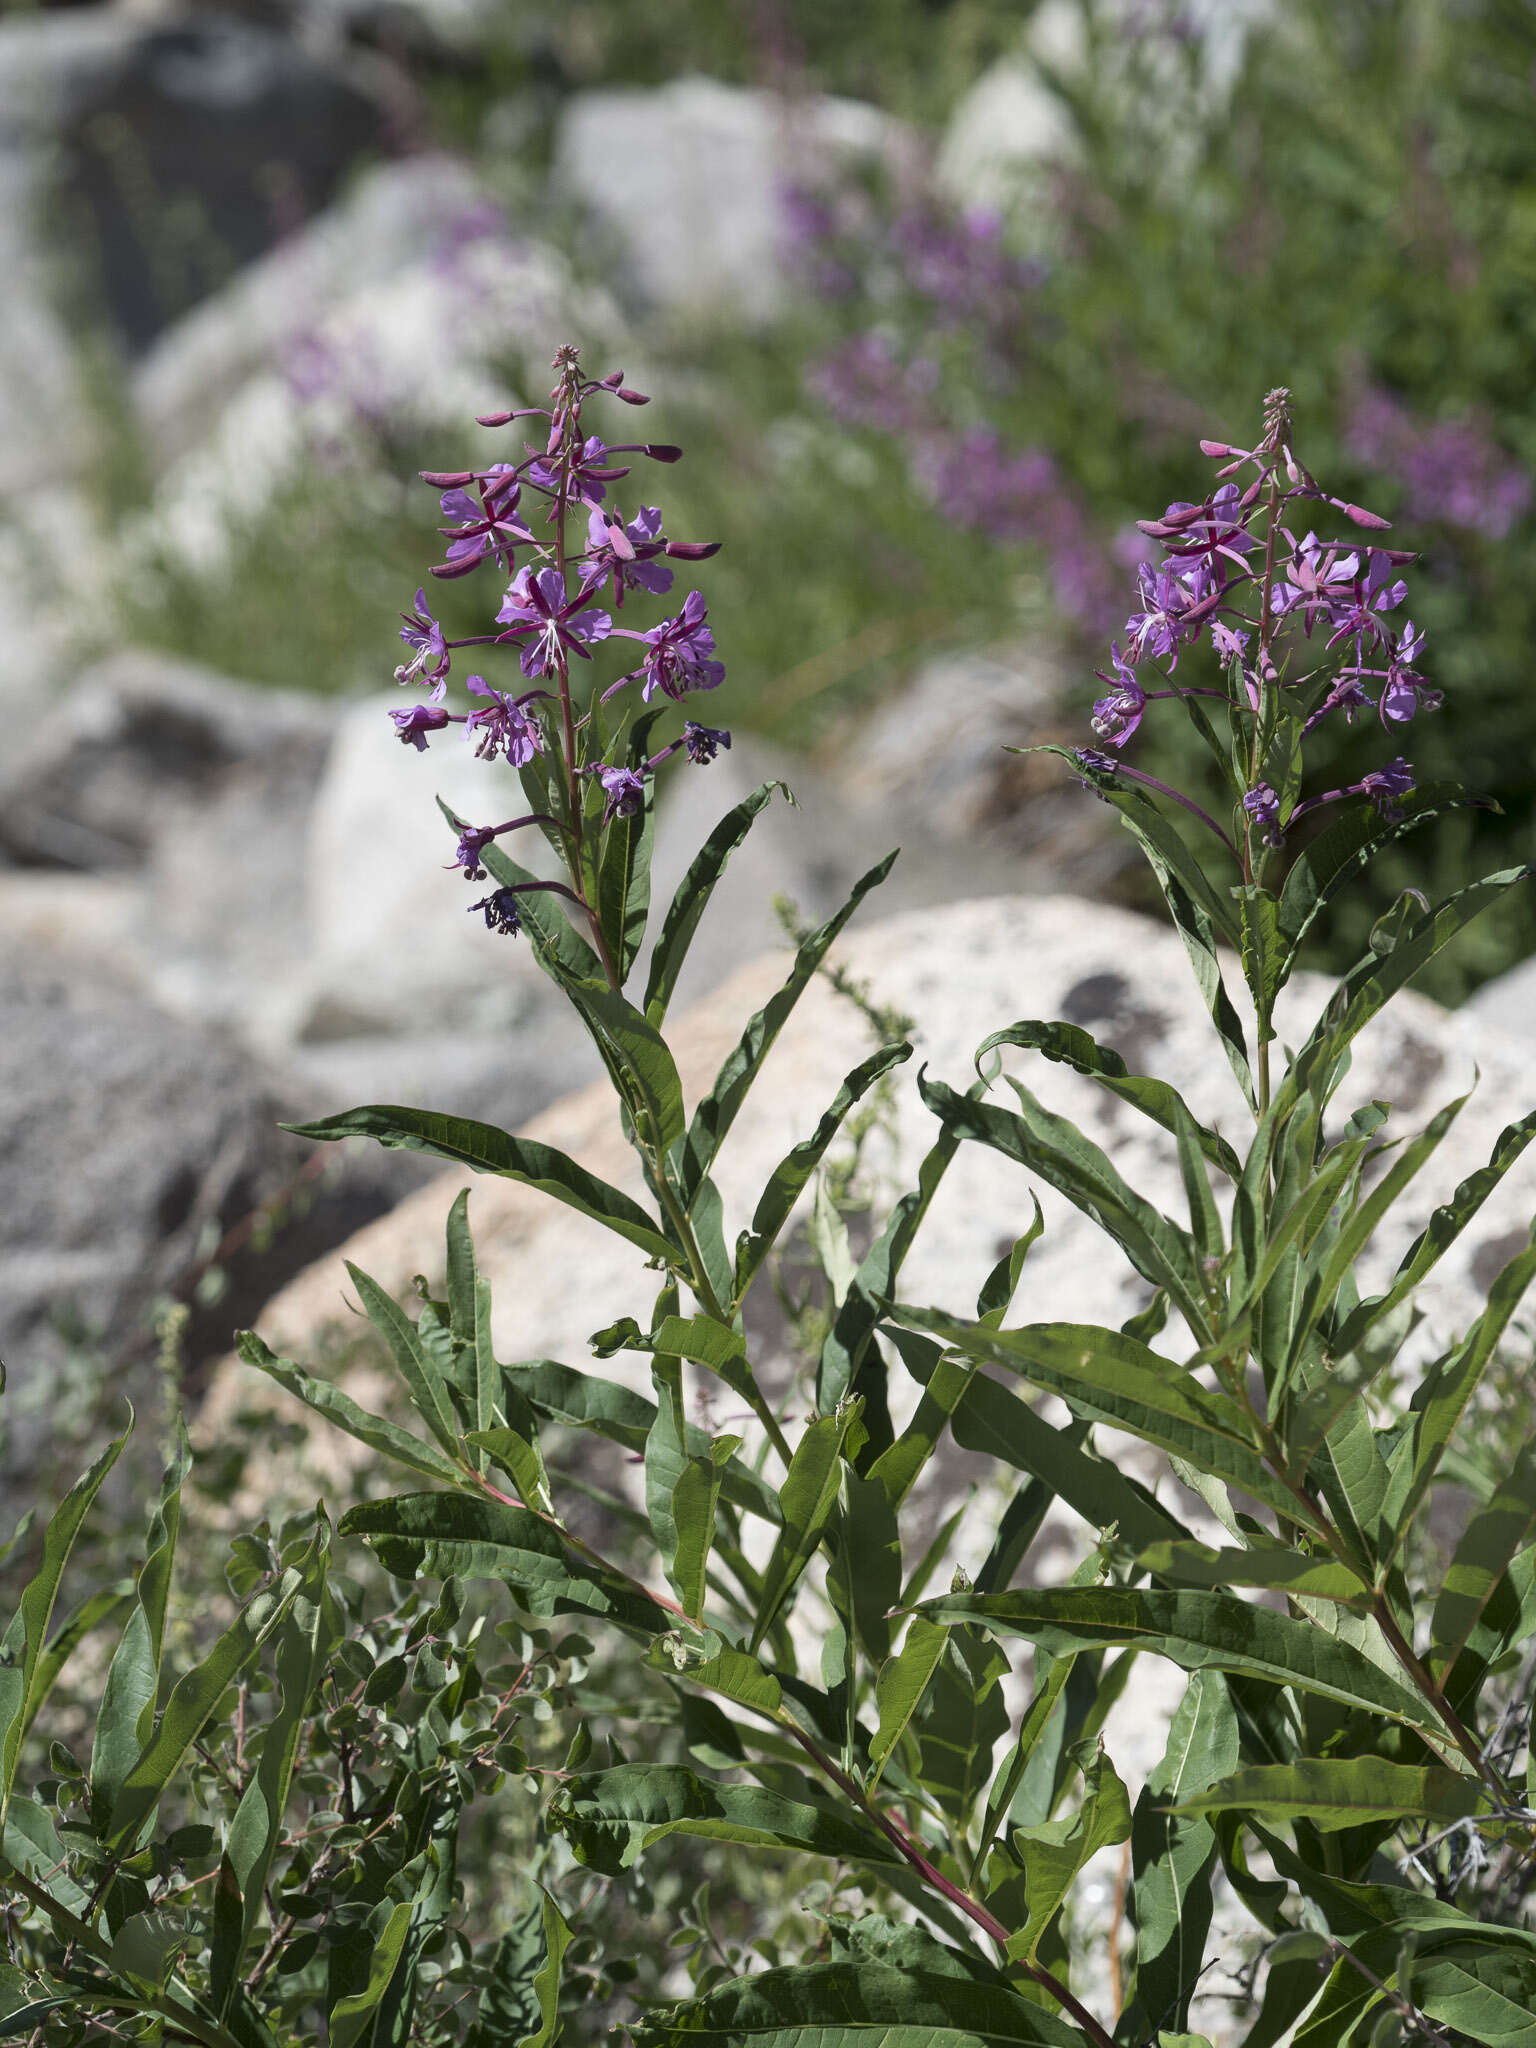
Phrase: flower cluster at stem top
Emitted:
{"points": [[1303, 627], [559, 606]]}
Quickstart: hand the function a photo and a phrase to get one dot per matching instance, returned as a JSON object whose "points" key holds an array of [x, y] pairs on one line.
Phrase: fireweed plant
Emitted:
{"points": [[267, 1848]]}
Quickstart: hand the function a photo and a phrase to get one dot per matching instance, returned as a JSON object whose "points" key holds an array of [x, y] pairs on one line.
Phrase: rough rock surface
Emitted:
{"points": [[685, 180], [135, 1151]]}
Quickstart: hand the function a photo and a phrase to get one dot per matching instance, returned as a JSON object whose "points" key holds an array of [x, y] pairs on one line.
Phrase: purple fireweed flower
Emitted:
{"points": [[430, 660], [1117, 715], [1356, 615], [414, 725], [1317, 579], [624, 789], [591, 472], [703, 742], [539, 603], [1230, 643], [680, 652], [1168, 596], [1451, 470], [1385, 785], [1263, 806], [626, 553], [484, 528], [500, 909], [504, 725]]}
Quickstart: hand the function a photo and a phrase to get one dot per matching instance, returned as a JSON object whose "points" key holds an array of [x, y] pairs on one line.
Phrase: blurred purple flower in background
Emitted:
{"points": [[1451, 470]]}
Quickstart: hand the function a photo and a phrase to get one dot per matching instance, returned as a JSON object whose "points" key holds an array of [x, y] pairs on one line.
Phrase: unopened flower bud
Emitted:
{"points": [[447, 479], [494, 419], [632, 397], [693, 550], [1361, 517], [1215, 448], [613, 380], [663, 451]]}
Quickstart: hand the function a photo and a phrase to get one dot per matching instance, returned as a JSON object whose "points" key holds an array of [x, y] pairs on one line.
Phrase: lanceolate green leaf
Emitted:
{"points": [[195, 1699], [994, 1421], [458, 1535], [859, 1312], [717, 1112], [1110, 1378], [308, 1635], [1272, 1565], [337, 1406], [692, 898], [425, 1383], [856, 2005], [23, 1646], [900, 1686], [351, 2016], [1506, 1525], [791, 1174], [488, 1150], [1449, 1385], [610, 1817], [583, 1400], [1375, 980], [1173, 1854], [1074, 1048], [806, 1499], [1341, 1792], [1201, 1631], [128, 1701], [1054, 1851], [1055, 1149]]}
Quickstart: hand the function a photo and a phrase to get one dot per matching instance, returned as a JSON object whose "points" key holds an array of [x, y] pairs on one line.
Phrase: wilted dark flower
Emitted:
{"points": [[500, 910], [1263, 806], [503, 725], [623, 787], [1385, 785], [703, 742], [680, 654], [1117, 715]]}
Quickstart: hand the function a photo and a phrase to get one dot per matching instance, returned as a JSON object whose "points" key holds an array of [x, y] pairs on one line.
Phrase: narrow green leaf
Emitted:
{"points": [[338, 1407], [610, 1817], [307, 1635], [350, 2017], [423, 1379], [858, 1313], [459, 1535], [1002, 1283], [855, 2005], [806, 1501], [1198, 1630], [1055, 1149], [794, 1170], [546, 1978], [1448, 1387], [1173, 1854], [994, 1421], [1270, 1564], [1506, 1525], [1055, 1851], [488, 1150], [900, 1686], [22, 1648], [1341, 1792], [1109, 1377], [1075, 1048], [692, 898], [127, 1713], [717, 1112], [194, 1699]]}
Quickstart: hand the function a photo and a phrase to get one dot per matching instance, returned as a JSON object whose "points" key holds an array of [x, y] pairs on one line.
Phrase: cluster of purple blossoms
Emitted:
{"points": [[1234, 569], [553, 614]]}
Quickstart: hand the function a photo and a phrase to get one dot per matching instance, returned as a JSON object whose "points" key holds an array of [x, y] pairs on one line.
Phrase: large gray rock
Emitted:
{"points": [[137, 1154], [686, 180], [208, 140]]}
